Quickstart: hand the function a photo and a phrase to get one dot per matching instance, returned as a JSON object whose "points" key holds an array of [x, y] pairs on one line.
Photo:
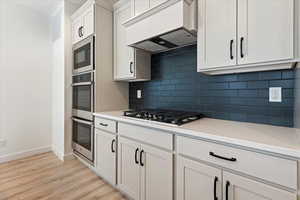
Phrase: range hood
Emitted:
{"points": [[170, 25]]}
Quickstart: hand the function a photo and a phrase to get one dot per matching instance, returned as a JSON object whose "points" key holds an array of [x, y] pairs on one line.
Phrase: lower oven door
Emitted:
{"points": [[83, 138], [83, 100]]}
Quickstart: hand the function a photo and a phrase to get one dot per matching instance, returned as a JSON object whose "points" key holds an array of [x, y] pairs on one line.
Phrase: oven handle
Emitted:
{"points": [[82, 121], [82, 84]]}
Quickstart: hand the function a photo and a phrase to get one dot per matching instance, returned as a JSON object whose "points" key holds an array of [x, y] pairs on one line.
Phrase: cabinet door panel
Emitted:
{"points": [[76, 24], [266, 27], [88, 22], [106, 155], [154, 3], [241, 188], [156, 174], [141, 6], [216, 33], [128, 170], [195, 181], [124, 55]]}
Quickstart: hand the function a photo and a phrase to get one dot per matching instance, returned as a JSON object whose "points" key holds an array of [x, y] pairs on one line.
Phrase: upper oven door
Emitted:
{"points": [[83, 96], [83, 56]]}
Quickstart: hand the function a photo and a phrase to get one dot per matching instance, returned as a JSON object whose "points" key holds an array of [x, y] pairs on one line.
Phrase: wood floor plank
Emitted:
{"points": [[45, 177]]}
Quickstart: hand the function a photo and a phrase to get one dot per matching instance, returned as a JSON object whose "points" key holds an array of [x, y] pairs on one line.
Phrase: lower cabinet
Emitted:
{"points": [[239, 188], [105, 156], [144, 172], [197, 181]]}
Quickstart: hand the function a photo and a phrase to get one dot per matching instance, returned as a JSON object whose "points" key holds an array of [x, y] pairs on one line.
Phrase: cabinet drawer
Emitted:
{"points": [[273, 169], [105, 124], [147, 135]]}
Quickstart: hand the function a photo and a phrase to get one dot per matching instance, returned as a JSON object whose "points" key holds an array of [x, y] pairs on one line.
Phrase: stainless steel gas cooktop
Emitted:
{"points": [[164, 116]]}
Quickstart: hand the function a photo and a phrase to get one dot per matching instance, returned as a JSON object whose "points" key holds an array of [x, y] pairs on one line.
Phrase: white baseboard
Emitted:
{"points": [[23, 154], [69, 156], [58, 153]]}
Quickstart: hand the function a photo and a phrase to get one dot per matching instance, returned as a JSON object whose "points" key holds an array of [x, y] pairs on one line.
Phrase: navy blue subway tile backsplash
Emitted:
{"points": [[177, 85]]}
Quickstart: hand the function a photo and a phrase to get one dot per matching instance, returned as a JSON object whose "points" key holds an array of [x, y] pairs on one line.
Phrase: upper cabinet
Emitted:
{"points": [[129, 64], [83, 23], [245, 36], [141, 6]]}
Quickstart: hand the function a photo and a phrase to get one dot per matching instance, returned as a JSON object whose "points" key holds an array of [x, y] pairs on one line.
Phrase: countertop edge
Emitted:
{"points": [[280, 151]]}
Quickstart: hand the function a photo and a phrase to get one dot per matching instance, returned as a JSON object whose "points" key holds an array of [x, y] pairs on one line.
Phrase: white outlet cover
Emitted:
{"points": [[275, 94], [139, 94]]}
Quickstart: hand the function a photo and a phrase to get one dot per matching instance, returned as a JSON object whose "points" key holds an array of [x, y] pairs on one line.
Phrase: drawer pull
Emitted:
{"points": [[103, 124], [221, 157], [215, 188]]}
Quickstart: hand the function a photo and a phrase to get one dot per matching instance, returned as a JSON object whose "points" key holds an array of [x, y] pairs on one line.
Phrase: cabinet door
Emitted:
{"points": [[156, 174], [239, 188], [196, 181], [88, 22], [140, 6], [128, 167], [265, 30], [216, 33], [154, 3], [124, 65], [105, 155], [76, 26]]}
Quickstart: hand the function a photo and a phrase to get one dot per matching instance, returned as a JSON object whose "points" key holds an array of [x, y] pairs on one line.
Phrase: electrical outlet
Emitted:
{"points": [[275, 94], [139, 94]]}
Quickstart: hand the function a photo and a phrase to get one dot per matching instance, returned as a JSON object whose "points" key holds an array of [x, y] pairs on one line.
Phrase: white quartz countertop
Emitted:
{"points": [[272, 139]]}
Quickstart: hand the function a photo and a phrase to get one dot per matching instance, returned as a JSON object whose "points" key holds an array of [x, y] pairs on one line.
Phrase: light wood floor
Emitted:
{"points": [[45, 177]]}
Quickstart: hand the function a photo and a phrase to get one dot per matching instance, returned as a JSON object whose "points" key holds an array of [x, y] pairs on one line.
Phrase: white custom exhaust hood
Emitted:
{"points": [[170, 25]]}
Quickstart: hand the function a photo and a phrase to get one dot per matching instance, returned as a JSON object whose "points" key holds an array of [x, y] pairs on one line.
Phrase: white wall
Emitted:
{"points": [[58, 76], [26, 60]]}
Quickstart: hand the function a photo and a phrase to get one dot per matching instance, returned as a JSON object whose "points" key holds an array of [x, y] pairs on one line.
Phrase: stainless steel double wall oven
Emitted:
{"points": [[83, 99]]}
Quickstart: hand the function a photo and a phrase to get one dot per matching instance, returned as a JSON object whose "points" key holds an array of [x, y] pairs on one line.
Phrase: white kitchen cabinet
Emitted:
{"points": [[141, 6], [129, 64], [245, 35], [144, 170], [83, 23], [128, 167], [217, 33], [105, 156], [156, 174], [265, 30], [197, 181], [239, 188], [154, 3]]}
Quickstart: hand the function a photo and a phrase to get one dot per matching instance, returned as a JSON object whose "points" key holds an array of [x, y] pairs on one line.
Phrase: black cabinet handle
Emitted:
{"points": [[112, 146], [135, 156], [215, 188], [242, 44], [231, 49], [227, 189], [130, 68], [79, 32], [102, 124], [221, 157], [141, 158]]}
